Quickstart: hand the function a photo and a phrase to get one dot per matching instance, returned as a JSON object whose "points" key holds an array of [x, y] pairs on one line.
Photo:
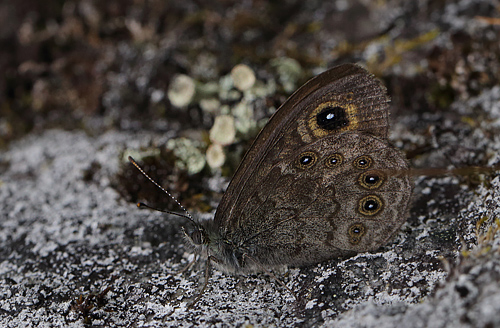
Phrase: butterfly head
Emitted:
{"points": [[198, 237]]}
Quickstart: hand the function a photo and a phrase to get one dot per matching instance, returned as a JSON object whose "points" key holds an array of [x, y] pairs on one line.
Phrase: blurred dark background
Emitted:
{"points": [[66, 61], [98, 65]]}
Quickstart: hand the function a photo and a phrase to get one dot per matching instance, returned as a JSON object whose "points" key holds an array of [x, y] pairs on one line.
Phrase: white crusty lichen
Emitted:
{"points": [[243, 77], [181, 90], [215, 156], [223, 131]]}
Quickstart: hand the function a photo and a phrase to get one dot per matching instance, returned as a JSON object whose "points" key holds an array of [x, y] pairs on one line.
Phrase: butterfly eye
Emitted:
{"points": [[370, 205], [334, 160], [371, 179], [197, 237], [356, 231], [332, 118], [307, 159], [363, 162]]}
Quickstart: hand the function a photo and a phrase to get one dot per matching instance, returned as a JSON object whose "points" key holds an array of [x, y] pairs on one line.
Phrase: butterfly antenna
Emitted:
{"points": [[187, 215], [143, 205]]}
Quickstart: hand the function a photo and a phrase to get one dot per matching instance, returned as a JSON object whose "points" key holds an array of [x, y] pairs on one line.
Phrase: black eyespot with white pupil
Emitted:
{"points": [[371, 179], [332, 118], [363, 162], [356, 231], [307, 160], [334, 160], [370, 205]]}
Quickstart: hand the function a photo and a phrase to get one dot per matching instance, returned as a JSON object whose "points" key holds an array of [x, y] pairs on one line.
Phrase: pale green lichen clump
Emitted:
{"points": [[215, 156], [232, 101], [243, 113], [243, 77], [188, 154], [223, 131], [181, 90], [289, 71]]}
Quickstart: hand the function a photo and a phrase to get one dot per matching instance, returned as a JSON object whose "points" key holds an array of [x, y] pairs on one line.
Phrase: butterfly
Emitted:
{"points": [[315, 184]]}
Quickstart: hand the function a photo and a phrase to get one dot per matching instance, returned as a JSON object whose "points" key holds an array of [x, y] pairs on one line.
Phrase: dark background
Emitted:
{"points": [[84, 83]]}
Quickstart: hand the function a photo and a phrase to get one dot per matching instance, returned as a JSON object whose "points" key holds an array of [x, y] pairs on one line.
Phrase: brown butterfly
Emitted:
{"points": [[314, 185]]}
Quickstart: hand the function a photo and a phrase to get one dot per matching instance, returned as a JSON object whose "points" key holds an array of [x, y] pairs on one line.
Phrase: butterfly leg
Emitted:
{"points": [[190, 264], [246, 256], [207, 276]]}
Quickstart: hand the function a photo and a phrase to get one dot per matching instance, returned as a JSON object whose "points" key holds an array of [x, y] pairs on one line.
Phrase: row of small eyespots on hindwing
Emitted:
{"points": [[368, 205]]}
